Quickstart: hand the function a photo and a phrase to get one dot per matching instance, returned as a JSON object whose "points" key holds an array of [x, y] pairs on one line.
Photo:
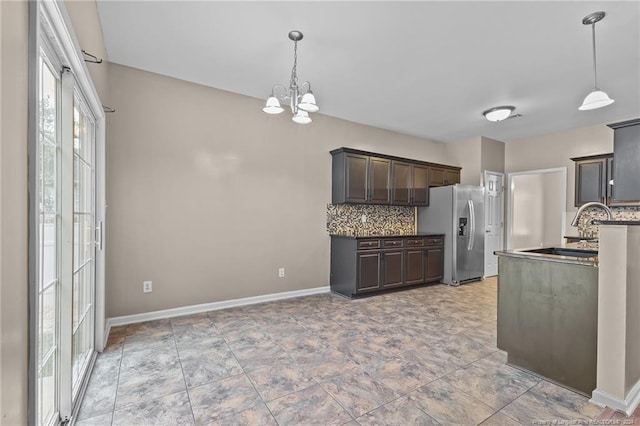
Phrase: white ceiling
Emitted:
{"points": [[422, 68]]}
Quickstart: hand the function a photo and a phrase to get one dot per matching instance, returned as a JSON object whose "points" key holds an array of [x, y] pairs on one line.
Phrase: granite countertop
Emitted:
{"points": [[577, 237], [582, 245], [417, 235], [617, 222]]}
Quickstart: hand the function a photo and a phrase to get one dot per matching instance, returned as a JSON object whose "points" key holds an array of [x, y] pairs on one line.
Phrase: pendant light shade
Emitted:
{"points": [[273, 106], [596, 98], [302, 117], [308, 102]]}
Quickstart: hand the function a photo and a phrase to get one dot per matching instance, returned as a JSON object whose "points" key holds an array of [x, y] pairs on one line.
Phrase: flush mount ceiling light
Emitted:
{"points": [[499, 113], [597, 98], [300, 98]]}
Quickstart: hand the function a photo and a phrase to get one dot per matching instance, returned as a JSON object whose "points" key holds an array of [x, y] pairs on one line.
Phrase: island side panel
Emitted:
{"points": [[547, 319]]}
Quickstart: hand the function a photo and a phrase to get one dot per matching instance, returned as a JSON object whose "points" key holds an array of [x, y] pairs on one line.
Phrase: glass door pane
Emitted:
{"points": [[83, 241], [48, 248]]}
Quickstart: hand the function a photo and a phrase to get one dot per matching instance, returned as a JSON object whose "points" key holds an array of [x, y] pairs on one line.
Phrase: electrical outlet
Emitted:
{"points": [[281, 272], [364, 218], [147, 286]]}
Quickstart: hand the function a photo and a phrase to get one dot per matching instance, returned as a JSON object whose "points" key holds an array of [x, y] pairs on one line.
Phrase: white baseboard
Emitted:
{"points": [[627, 406], [205, 307]]}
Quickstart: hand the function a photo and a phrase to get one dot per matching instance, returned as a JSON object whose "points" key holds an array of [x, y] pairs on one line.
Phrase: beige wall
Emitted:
{"points": [[555, 150], [466, 154], [208, 196], [618, 317], [88, 31], [13, 212], [475, 155], [492, 155], [632, 361]]}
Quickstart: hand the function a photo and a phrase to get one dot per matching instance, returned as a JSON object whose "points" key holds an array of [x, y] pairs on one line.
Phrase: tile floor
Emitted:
{"points": [[425, 356]]}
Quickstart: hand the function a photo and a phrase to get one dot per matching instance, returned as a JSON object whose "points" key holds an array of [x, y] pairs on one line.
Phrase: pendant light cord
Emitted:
{"points": [[595, 72]]}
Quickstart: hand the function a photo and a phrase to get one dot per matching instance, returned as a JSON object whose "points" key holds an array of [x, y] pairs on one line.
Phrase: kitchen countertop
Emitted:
{"points": [[417, 235], [617, 222], [587, 261]]}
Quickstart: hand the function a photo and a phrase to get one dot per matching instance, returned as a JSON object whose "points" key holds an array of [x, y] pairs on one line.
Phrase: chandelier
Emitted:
{"points": [[300, 97]]}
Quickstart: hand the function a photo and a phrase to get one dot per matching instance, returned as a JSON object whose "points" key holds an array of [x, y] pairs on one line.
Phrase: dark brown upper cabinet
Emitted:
{"points": [[441, 176], [401, 183], [594, 176], [626, 156], [361, 177], [409, 184]]}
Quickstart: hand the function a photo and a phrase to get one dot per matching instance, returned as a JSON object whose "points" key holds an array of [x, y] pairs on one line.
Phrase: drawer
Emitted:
{"points": [[368, 244], [392, 243], [414, 242], [434, 241]]}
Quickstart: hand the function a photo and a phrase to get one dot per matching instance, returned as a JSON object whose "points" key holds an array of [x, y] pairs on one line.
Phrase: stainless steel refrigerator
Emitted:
{"points": [[457, 211]]}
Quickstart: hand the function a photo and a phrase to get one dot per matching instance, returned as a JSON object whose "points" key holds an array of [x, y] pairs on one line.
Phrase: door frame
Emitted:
{"points": [[510, 176]]}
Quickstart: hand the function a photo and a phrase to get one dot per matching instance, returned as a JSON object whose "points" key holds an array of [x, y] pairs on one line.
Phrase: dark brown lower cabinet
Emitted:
{"points": [[433, 263], [392, 268], [415, 268], [368, 271], [365, 265]]}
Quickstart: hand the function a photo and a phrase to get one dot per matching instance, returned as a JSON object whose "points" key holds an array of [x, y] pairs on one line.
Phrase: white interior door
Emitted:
{"points": [[494, 220]]}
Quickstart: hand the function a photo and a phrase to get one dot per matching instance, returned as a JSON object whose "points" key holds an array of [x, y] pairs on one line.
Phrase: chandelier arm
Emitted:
{"points": [[302, 89], [284, 95]]}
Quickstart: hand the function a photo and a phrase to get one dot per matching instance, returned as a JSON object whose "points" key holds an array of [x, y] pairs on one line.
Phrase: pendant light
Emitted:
{"points": [[597, 98]]}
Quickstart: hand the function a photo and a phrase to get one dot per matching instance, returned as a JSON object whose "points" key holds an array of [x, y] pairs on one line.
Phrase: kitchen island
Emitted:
{"points": [[548, 312]]}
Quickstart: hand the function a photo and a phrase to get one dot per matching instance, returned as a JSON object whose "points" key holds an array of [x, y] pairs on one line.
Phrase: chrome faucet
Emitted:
{"points": [[607, 210]]}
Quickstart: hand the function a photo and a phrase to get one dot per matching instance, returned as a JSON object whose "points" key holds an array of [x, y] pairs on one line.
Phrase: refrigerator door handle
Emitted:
{"points": [[472, 219]]}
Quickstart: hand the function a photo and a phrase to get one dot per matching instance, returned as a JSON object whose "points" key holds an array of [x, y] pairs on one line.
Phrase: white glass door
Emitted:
{"points": [[48, 281], [63, 242], [83, 241]]}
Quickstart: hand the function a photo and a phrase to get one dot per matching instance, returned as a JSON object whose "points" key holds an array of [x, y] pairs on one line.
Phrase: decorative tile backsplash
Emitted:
{"points": [[586, 229], [346, 219]]}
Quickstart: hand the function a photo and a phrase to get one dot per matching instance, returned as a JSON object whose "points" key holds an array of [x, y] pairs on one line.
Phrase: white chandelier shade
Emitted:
{"points": [[300, 97]]}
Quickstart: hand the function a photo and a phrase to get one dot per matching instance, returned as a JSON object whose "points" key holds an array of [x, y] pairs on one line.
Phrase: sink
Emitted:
{"points": [[563, 251]]}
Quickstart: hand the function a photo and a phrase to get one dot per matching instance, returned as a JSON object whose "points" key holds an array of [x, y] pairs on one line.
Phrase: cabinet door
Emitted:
{"points": [[415, 266], [626, 154], [401, 183], [433, 264], [392, 266], [436, 176], [356, 178], [590, 181], [368, 271], [609, 182], [379, 179], [451, 177], [420, 189]]}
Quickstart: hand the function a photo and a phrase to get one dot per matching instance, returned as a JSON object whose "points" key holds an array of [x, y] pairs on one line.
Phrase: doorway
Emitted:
{"points": [[494, 220], [536, 208]]}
